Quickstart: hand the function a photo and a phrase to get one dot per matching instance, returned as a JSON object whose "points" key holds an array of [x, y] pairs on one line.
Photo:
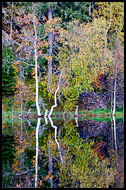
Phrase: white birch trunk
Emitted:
{"points": [[36, 75], [55, 99], [115, 78], [114, 98]]}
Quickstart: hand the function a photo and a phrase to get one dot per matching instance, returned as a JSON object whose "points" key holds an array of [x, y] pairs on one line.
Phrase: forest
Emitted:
{"points": [[62, 60]]}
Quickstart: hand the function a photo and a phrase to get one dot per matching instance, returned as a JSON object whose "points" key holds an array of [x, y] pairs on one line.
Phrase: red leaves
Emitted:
{"points": [[98, 150], [98, 78]]}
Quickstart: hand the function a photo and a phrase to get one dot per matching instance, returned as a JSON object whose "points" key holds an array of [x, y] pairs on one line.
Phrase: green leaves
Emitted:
{"points": [[84, 43], [8, 76]]}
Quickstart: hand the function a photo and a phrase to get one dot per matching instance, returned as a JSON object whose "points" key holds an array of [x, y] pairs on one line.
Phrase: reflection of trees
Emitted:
{"points": [[22, 170], [82, 168], [119, 161]]}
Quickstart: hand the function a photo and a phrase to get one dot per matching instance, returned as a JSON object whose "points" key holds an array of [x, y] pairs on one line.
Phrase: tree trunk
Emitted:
{"points": [[55, 99], [11, 25], [89, 8], [55, 127], [111, 96], [114, 98], [50, 165], [116, 55], [50, 40], [12, 116], [37, 148], [36, 75], [106, 31]]}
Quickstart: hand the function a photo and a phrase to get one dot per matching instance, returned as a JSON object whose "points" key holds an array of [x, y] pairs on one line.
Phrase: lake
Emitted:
{"points": [[62, 152]]}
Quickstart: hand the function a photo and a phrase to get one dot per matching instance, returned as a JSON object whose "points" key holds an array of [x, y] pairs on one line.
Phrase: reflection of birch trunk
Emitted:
{"points": [[50, 161], [56, 138], [36, 75], [115, 141], [76, 120], [114, 124], [112, 129], [36, 158], [59, 132], [46, 113]]}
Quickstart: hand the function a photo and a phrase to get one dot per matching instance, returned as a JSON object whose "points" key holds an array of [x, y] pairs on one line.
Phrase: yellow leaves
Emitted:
{"points": [[25, 34], [41, 44], [19, 84], [34, 17], [18, 185], [15, 68], [20, 47], [33, 72], [33, 161]]}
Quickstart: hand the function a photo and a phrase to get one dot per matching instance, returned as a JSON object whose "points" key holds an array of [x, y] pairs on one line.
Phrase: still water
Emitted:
{"points": [[63, 152]]}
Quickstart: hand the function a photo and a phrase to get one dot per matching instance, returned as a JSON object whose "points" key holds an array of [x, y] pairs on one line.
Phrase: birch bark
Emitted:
{"points": [[36, 75]]}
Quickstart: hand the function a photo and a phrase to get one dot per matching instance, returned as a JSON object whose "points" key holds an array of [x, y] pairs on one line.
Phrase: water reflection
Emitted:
{"points": [[36, 158], [35, 161], [55, 127]]}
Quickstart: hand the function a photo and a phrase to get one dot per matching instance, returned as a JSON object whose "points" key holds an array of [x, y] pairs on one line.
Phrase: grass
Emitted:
{"points": [[103, 113]]}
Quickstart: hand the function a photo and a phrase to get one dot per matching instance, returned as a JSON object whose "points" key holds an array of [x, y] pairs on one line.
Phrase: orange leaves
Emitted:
{"points": [[3, 107], [15, 68], [14, 166], [53, 25], [41, 44], [48, 176], [44, 18]]}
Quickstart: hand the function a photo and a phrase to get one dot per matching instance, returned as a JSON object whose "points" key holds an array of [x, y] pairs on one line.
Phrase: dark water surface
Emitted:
{"points": [[63, 153]]}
